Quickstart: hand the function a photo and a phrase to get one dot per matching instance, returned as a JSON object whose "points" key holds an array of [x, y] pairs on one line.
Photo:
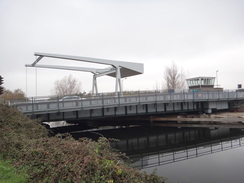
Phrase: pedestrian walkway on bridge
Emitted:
{"points": [[153, 102]]}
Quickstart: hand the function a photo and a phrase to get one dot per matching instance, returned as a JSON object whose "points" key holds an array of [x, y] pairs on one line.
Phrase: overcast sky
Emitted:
{"points": [[200, 36]]}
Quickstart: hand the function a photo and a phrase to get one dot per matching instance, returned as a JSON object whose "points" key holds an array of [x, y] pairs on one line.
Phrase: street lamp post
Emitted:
{"points": [[217, 78]]}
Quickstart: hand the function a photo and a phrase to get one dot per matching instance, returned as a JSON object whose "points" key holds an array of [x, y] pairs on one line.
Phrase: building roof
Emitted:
{"points": [[201, 77]]}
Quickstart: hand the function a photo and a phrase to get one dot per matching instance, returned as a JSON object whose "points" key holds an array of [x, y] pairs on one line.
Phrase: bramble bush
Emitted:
{"points": [[61, 158]]}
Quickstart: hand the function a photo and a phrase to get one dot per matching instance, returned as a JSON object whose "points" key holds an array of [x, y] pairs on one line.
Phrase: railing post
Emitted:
{"points": [[139, 96], [81, 104], [32, 105], [58, 103], [119, 99], [183, 95], [156, 96], [208, 95], [102, 100]]}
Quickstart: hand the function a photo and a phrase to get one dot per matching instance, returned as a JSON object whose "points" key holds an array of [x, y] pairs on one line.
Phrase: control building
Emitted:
{"points": [[202, 84]]}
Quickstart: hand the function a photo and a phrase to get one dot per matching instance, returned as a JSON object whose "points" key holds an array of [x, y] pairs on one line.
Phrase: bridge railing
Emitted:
{"points": [[32, 105]]}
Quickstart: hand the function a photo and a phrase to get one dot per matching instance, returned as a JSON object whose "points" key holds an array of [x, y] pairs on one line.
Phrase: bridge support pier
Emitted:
{"points": [[208, 111], [94, 85]]}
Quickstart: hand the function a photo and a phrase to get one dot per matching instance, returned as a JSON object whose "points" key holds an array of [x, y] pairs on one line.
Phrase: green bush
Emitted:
{"points": [[61, 158]]}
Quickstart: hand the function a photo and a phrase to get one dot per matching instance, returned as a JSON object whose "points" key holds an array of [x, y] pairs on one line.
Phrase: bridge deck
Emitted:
{"points": [[121, 105]]}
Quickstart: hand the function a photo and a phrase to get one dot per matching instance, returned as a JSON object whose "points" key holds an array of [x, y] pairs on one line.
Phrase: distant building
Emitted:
{"points": [[202, 84]]}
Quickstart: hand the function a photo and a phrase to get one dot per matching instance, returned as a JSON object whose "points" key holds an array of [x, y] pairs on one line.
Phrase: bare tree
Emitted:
{"points": [[67, 86], [174, 79], [16, 94]]}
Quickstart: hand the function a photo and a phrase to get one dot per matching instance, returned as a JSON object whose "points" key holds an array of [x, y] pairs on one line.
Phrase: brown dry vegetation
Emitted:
{"points": [[61, 158]]}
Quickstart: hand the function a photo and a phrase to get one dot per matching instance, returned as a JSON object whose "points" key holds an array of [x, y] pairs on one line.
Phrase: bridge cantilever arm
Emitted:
{"points": [[110, 71], [137, 68], [85, 69], [37, 60], [77, 58], [117, 69]]}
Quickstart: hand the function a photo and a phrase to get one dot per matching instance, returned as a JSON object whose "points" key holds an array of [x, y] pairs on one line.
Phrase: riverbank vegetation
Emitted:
{"points": [[9, 174], [29, 146]]}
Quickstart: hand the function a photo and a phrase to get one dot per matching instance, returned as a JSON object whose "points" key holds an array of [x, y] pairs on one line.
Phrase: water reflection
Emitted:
{"points": [[154, 146], [188, 152]]}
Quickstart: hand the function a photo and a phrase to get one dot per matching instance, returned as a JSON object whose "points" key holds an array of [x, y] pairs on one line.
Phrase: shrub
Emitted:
{"points": [[62, 158]]}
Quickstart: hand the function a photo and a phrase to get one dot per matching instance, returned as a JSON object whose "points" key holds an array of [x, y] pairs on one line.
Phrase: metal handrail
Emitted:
{"points": [[50, 103]]}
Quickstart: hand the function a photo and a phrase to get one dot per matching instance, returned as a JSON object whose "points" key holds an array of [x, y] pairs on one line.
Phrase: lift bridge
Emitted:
{"points": [[121, 104], [136, 104]]}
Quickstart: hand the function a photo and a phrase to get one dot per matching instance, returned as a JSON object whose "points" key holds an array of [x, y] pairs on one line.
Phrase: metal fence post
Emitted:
{"points": [[32, 105], [102, 100], [58, 102], [208, 95], [81, 104], [139, 97], [119, 99], [156, 96]]}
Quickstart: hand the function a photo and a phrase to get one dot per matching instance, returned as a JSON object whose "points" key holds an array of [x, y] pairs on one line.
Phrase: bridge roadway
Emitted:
{"points": [[136, 104]]}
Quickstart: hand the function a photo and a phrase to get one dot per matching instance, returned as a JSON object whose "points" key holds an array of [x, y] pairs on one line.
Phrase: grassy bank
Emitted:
{"points": [[61, 158], [9, 174]]}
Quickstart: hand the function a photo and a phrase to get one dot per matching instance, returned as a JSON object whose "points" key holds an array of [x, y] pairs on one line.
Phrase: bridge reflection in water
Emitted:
{"points": [[154, 146], [188, 152]]}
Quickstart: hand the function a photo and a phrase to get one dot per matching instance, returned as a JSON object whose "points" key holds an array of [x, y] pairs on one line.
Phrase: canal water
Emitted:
{"points": [[184, 155]]}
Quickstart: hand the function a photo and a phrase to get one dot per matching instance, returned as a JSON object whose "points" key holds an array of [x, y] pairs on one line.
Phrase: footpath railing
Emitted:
{"points": [[40, 105]]}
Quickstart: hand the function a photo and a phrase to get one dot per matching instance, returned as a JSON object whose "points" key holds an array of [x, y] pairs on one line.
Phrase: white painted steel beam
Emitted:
{"points": [[117, 69], [128, 68], [37, 60], [84, 69]]}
